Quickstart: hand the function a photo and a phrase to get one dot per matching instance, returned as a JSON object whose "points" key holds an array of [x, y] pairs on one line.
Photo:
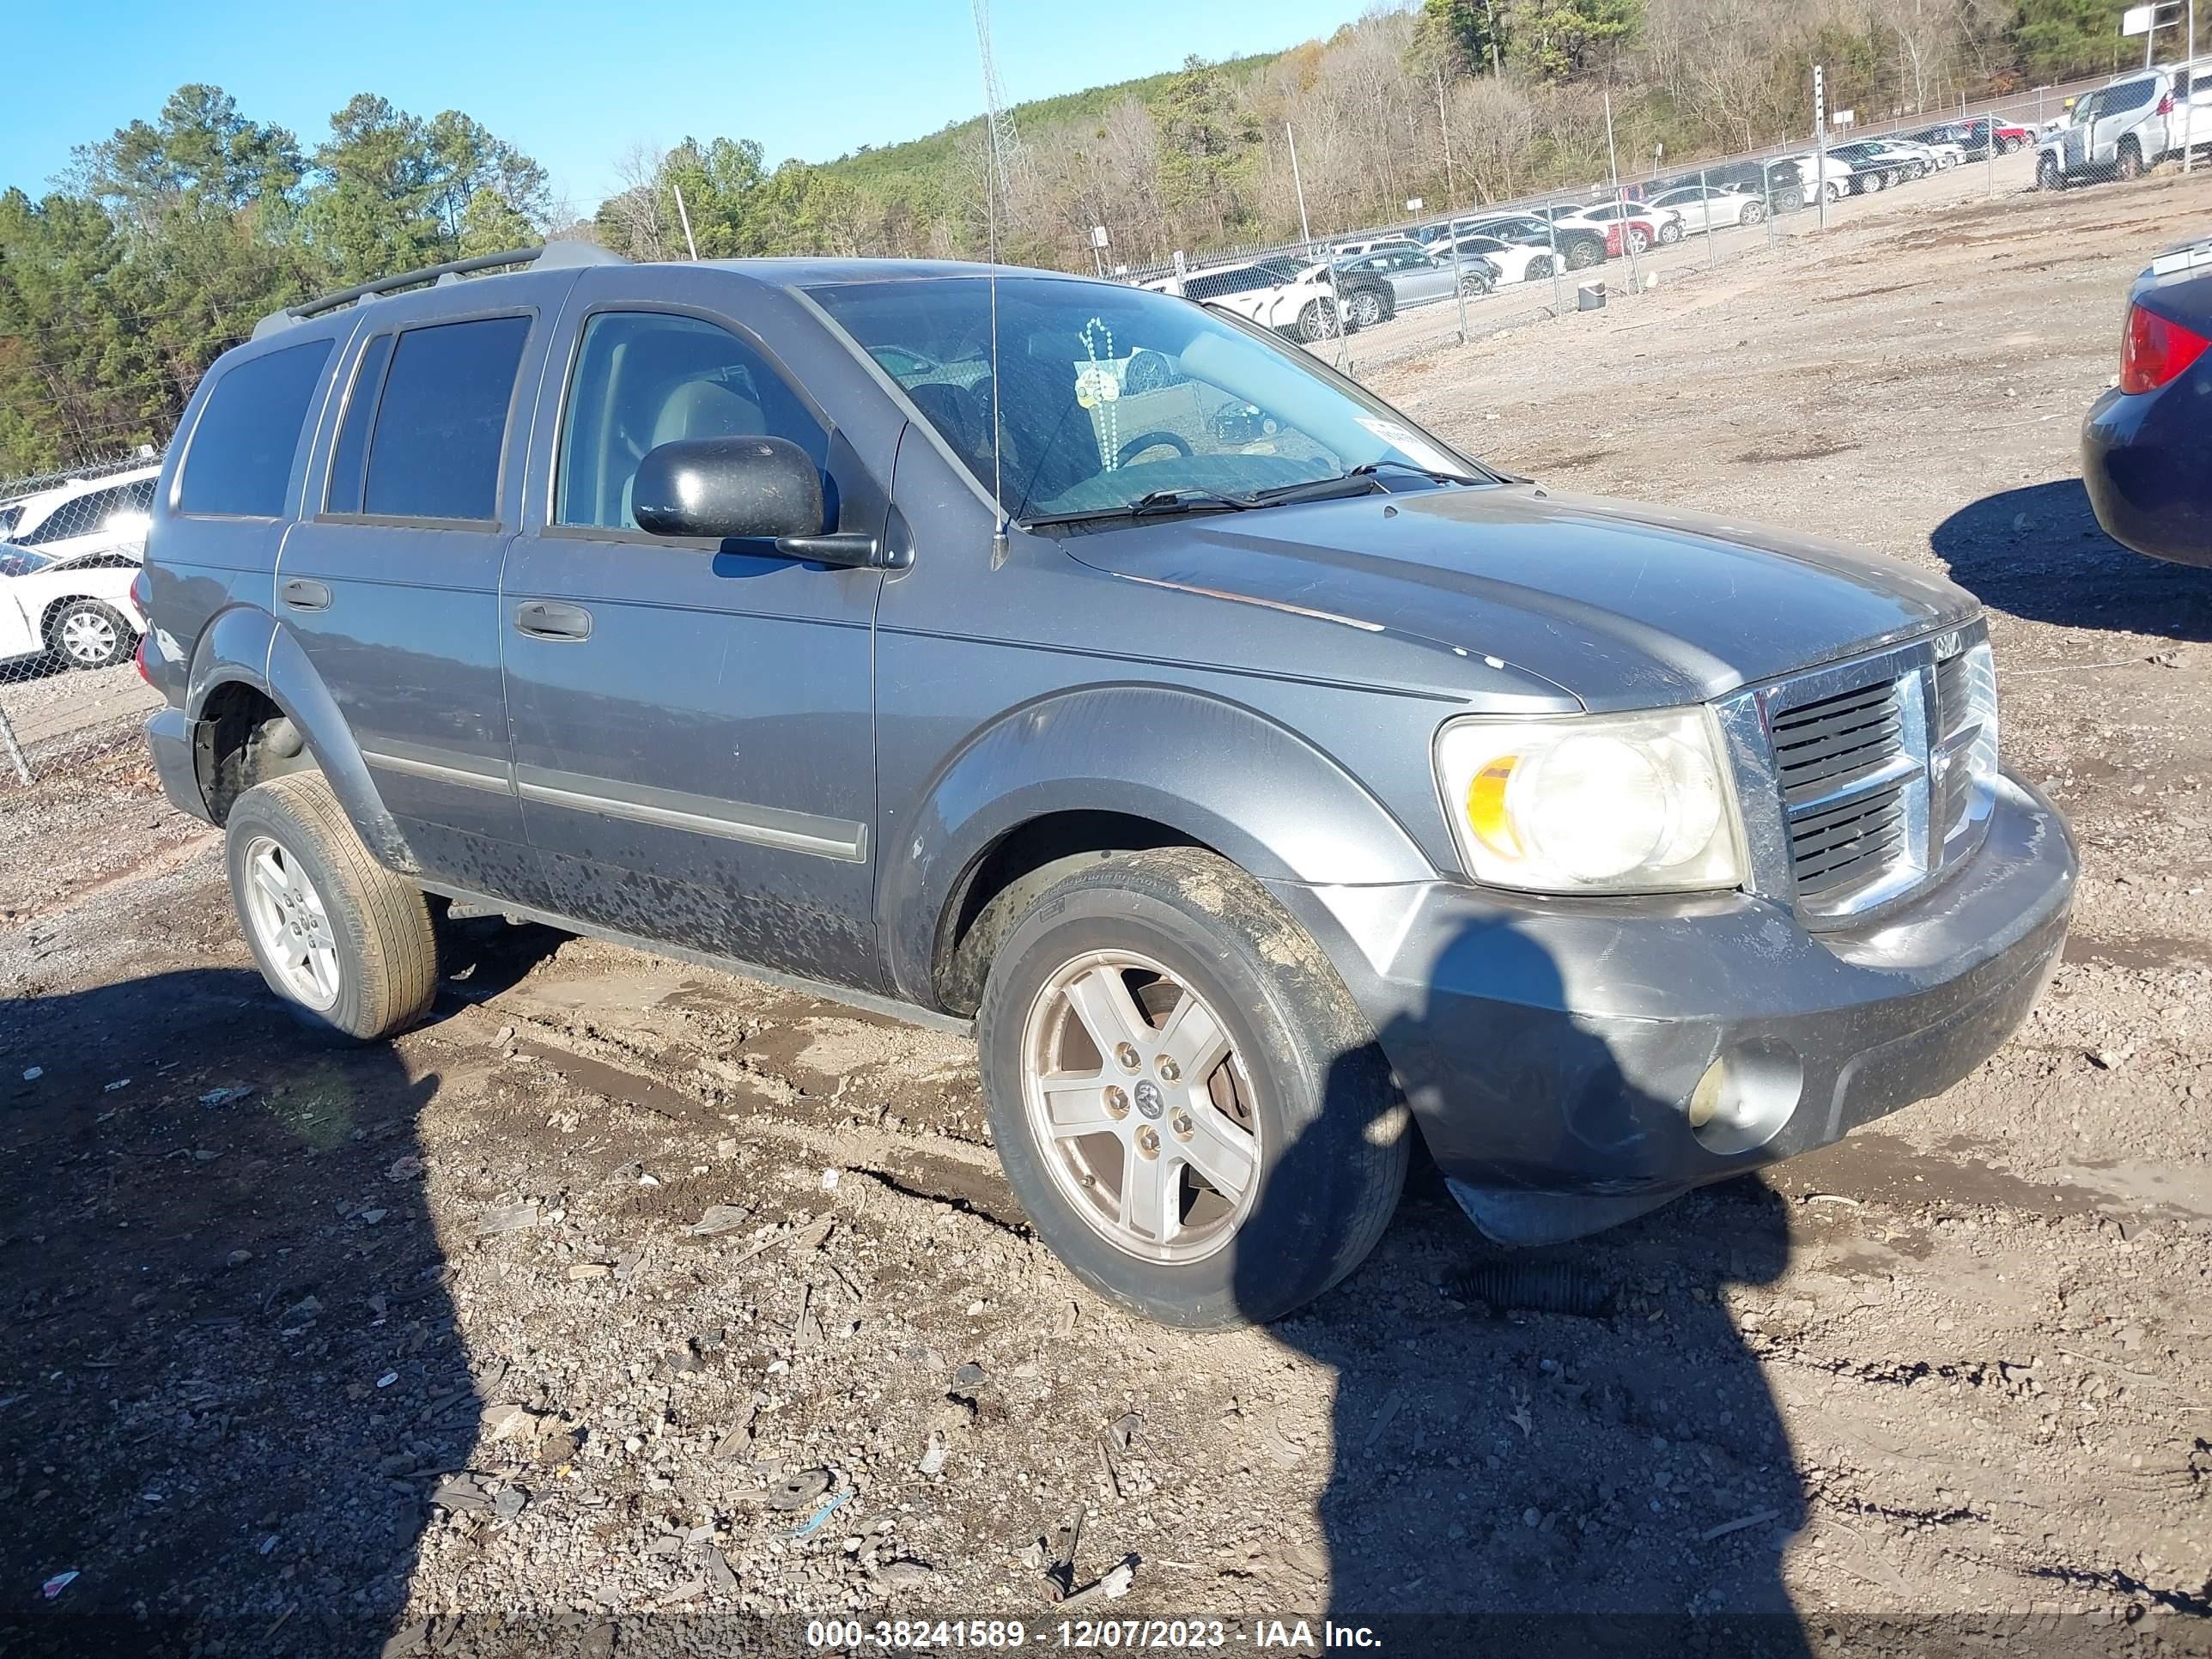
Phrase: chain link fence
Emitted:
{"points": [[1369, 298], [70, 546]]}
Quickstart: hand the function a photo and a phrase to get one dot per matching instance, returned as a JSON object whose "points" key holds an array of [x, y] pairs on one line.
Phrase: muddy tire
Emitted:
{"points": [[349, 946], [1191, 1109]]}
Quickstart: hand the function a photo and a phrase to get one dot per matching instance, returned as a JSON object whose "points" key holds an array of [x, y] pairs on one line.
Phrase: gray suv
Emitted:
{"points": [[1256, 775]]}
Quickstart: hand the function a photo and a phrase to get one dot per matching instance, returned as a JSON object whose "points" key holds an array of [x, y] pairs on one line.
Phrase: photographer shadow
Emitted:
{"points": [[1568, 1450]]}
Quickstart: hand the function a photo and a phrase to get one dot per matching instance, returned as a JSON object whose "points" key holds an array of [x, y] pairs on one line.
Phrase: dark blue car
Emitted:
{"points": [[2145, 453]]}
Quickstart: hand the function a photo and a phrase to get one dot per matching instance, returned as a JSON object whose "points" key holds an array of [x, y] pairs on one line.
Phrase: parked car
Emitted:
{"points": [[1711, 207], [1415, 277], [1621, 232], [66, 568], [1514, 262], [1877, 165], [1975, 134], [1579, 247], [1363, 297], [1838, 178], [1660, 225], [2126, 125], [2146, 447], [1371, 244], [1778, 184], [1256, 776], [1282, 295]]}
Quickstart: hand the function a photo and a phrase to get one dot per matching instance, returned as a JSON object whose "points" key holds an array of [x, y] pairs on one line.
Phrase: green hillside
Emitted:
{"points": [[884, 171]]}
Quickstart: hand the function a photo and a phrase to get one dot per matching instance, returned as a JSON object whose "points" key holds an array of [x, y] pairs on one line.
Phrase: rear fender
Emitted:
{"points": [[244, 646]]}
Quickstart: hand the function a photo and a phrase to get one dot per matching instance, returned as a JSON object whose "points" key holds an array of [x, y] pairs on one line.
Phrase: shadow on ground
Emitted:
{"points": [[2038, 553], [1511, 1477], [229, 1375]]}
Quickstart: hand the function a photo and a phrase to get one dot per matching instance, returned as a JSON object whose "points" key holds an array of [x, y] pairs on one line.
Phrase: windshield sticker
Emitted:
{"points": [[1419, 450], [1096, 384]]}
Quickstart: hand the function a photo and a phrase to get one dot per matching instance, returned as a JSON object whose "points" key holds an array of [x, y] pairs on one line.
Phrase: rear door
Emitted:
{"points": [[390, 581], [693, 721]]}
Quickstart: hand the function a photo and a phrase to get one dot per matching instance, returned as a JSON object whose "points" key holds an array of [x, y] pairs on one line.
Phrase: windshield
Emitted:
{"points": [[1113, 396], [21, 561]]}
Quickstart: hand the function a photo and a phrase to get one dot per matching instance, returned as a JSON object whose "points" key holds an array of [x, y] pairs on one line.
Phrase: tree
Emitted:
{"points": [[1209, 145], [2059, 39], [1559, 39], [1466, 35]]}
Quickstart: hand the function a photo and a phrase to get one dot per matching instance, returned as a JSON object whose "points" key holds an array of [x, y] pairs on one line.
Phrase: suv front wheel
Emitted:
{"points": [[350, 946], [1188, 1105]]}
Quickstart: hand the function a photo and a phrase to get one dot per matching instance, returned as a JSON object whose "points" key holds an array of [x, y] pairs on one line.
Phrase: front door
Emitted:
{"points": [[693, 721], [390, 581]]}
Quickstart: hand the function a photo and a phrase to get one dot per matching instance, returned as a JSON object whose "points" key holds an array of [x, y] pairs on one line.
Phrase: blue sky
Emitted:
{"points": [[576, 84]]}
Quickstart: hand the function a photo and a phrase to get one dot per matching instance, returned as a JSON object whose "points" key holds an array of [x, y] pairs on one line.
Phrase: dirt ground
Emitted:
{"points": [[639, 1305]]}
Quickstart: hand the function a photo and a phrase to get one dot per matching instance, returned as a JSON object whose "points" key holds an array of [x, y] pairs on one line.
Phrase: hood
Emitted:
{"points": [[1624, 604]]}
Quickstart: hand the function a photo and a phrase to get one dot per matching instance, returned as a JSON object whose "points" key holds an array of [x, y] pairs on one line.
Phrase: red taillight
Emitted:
{"points": [[2156, 350], [2166, 104], [139, 660]]}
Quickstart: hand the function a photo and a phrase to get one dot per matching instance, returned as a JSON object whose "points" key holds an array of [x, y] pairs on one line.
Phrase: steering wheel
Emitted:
{"points": [[1145, 440]]}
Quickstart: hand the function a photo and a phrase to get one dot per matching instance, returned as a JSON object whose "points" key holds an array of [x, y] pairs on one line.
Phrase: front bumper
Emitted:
{"points": [[1553, 1048]]}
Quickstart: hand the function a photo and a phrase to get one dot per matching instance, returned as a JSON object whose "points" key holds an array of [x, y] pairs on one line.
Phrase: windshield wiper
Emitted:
{"points": [[1368, 469], [1160, 503]]}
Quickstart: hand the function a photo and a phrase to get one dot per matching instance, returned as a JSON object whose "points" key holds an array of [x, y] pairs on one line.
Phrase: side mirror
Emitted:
{"points": [[719, 488], [743, 489]]}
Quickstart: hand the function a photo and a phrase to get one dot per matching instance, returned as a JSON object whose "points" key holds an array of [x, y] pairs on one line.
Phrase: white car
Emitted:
{"points": [[1517, 262], [1835, 176], [66, 569], [1273, 293], [1710, 207]]}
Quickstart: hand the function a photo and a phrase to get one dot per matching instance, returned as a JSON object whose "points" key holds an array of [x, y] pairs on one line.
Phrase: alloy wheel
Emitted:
{"points": [[1141, 1107], [290, 923]]}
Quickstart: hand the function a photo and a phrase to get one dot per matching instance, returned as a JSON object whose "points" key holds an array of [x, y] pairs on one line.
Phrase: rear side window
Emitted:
{"points": [[2133, 95], [440, 424], [95, 510], [240, 458], [352, 456]]}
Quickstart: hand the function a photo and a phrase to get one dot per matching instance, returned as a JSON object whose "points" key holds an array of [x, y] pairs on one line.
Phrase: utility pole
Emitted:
{"points": [[1820, 140], [2188, 104], [1443, 126], [1492, 5], [1620, 210]]}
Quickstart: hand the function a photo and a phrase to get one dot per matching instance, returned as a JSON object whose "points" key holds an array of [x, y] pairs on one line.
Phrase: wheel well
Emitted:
{"points": [[1003, 882], [244, 738]]}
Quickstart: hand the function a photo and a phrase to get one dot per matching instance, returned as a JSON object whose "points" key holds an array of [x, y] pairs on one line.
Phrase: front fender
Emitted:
{"points": [[243, 645], [1219, 774]]}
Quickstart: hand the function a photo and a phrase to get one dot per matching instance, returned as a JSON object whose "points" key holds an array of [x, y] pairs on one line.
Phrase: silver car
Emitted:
{"points": [[1418, 277]]}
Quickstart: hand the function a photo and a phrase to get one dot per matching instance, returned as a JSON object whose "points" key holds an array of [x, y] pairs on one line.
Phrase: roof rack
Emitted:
{"points": [[553, 256]]}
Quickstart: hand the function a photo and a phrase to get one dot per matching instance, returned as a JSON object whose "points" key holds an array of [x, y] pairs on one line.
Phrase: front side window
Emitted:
{"points": [[1241, 413], [644, 379], [240, 460], [440, 424]]}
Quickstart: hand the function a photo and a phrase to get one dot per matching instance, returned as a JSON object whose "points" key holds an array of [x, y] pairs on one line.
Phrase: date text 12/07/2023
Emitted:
{"points": [[938, 1635]]}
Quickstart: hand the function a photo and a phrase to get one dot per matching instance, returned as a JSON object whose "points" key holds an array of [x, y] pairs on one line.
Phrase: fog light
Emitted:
{"points": [[1746, 1096]]}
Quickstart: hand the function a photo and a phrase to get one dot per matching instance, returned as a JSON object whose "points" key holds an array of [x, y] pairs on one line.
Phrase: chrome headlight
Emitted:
{"points": [[1592, 804]]}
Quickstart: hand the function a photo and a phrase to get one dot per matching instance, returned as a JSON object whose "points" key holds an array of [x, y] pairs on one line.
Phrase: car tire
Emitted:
{"points": [[1582, 255], [1833, 190], [350, 947], [1317, 322], [88, 634], [1178, 950], [1639, 239], [1475, 284], [1670, 234], [2007, 146], [1539, 271], [1363, 309], [1754, 213], [1875, 183], [2047, 175], [2131, 161]]}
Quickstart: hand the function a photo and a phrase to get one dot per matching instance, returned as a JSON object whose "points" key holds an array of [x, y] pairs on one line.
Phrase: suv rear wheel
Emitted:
{"points": [[2131, 164], [349, 946], [1188, 1105], [2047, 175]]}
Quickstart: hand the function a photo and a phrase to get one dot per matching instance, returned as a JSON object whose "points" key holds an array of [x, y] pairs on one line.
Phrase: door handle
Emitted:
{"points": [[549, 619], [302, 594]]}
